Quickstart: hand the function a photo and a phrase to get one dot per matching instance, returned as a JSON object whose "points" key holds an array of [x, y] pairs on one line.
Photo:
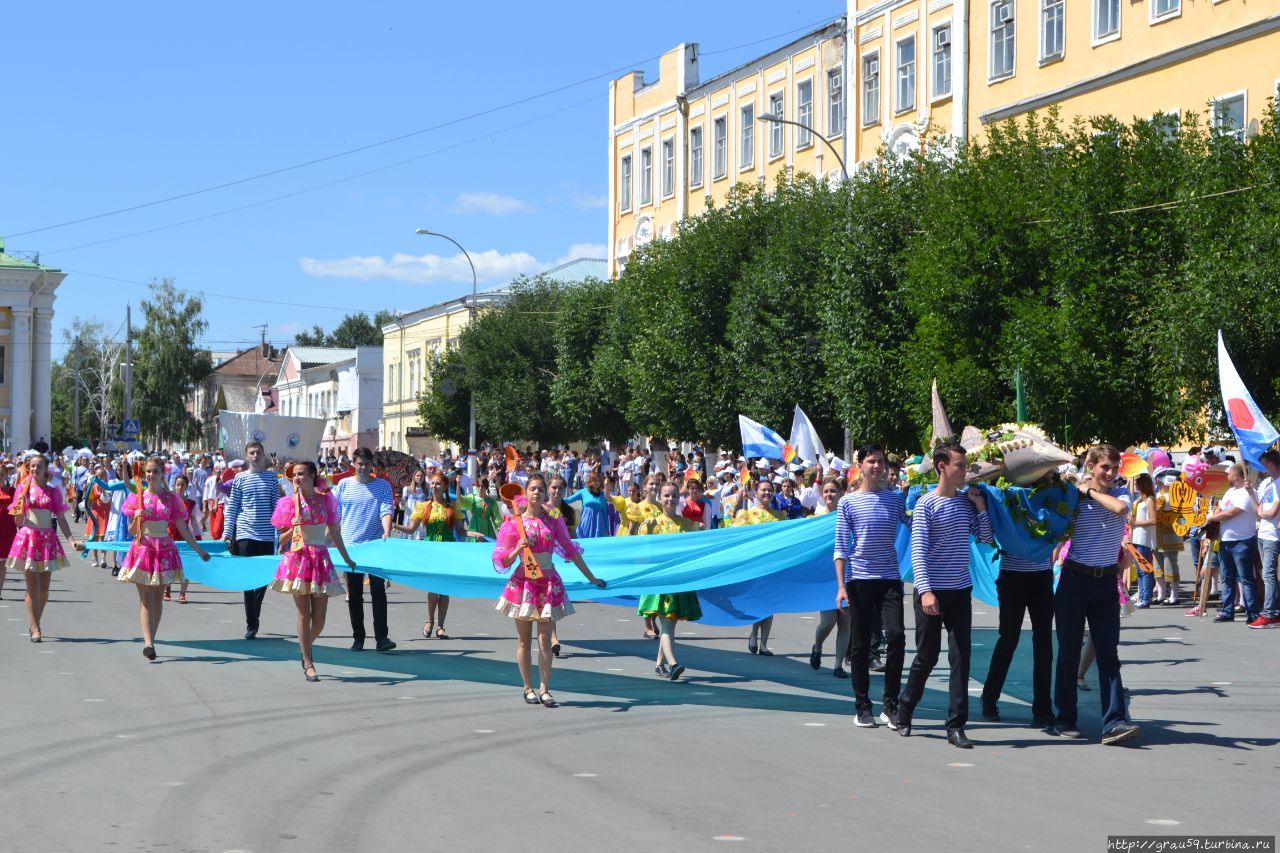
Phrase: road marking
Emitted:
{"points": [[484, 731], [728, 838], [95, 700], [959, 764], [585, 775], [815, 725], [703, 693], [125, 736], [1171, 638], [1160, 821], [615, 669], [624, 620], [1219, 683]]}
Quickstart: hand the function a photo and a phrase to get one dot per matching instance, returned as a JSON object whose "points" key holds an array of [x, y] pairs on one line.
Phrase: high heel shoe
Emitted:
{"points": [[33, 634], [313, 677], [149, 652]]}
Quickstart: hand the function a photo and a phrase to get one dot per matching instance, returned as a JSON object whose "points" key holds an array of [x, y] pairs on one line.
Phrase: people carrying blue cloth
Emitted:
{"points": [[941, 525]]}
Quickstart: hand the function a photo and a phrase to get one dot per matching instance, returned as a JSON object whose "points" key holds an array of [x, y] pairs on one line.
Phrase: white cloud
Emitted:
{"points": [[426, 269], [584, 250], [495, 204], [586, 201]]}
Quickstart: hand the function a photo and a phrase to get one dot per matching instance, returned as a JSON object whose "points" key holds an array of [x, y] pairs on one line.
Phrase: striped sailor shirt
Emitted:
{"points": [[253, 499], [1010, 563], [1098, 532], [940, 530], [866, 533]]}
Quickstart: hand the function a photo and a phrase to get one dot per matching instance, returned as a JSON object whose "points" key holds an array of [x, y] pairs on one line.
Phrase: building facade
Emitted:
{"points": [[341, 386], [413, 340], [235, 385], [890, 73], [27, 292]]}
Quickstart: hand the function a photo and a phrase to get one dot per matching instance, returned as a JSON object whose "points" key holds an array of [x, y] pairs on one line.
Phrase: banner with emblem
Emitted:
{"points": [[287, 437]]}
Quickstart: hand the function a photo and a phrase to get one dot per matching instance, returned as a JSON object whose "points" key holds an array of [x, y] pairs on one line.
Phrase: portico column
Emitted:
{"points": [[20, 391], [42, 378]]}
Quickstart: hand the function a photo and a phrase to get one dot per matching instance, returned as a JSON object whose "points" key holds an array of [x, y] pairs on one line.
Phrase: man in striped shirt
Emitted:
{"points": [[367, 505], [941, 525], [248, 523], [868, 580]]}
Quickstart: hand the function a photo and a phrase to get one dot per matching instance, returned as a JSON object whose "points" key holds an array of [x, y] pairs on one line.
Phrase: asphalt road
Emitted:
{"points": [[220, 745]]}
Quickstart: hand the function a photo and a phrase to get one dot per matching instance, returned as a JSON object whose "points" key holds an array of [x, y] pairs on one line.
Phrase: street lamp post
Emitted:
{"points": [[471, 436], [773, 118]]}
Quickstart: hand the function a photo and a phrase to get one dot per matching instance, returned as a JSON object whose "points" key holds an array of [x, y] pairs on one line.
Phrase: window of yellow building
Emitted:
{"points": [[668, 167], [804, 113], [646, 175], [776, 129], [1003, 38], [747, 150], [720, 134], [624, 184], [905, 96], [695, 157], [835, 102], [871, 88], [1163, 10], [1106, 20], [1052, 29], [942, 61]]}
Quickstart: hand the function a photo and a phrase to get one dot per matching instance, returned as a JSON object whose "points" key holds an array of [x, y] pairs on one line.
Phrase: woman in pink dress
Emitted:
{"points": [[536, 593], [36, 551], [153, 562], [306, 571]]}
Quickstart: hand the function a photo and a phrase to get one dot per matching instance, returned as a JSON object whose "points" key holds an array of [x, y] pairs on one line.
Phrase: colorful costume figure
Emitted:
{"points": [[8, 526], [153, 559], [35, 545], [306, 568], [757, 515], [633, 513], [484, 514], [544, 599], [595, 521], [437, 520], [671, 605]]}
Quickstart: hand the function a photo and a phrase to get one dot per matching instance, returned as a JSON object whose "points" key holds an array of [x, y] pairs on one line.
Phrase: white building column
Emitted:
{"points": [[20, 390], [42, 375]]}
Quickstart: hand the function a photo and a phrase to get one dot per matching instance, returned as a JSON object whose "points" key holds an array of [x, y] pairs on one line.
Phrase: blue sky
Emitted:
{"points": [[109, 106]]}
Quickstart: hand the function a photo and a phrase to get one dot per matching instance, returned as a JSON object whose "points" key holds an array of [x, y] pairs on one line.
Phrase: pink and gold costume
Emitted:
{"points": [[306, 568], [539, 600], [35, 544], [153, 559]]}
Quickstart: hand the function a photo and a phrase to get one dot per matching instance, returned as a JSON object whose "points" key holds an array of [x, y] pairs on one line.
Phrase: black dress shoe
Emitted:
{"points": [[904, 723], [815, 658], [840, 672], [385, 645], [990, 712], [357, 645], [956, 738], [251, 634]]}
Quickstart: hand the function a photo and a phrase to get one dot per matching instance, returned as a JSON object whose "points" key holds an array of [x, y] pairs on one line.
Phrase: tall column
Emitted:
{"points": [[42, 375], [20, 390]]}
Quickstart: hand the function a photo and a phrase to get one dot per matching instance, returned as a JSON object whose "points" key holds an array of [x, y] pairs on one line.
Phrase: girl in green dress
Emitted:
{"points": [[484, 511], [669, 607], [441, 522]]}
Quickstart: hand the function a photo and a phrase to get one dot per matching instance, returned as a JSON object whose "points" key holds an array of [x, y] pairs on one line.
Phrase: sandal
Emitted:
{"points": [[426, 630], [313, 677], [441, 633], [182, 598], [166, 594], [555, 649], [530, 697], [547, 700]]}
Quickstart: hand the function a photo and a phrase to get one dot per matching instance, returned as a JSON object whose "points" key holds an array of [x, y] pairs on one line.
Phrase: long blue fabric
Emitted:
{"points": [[741, 574]]}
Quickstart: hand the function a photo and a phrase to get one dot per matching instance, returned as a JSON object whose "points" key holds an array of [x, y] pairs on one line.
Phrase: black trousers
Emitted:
{"points": [[355, 605], [1024, 592], [253, 598], [867, 600], [956, 615]]}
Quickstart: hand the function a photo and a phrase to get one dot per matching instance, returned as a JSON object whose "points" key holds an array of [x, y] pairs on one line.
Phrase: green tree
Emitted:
{"points": [[580, 396], [168, 362], [355, 330]]}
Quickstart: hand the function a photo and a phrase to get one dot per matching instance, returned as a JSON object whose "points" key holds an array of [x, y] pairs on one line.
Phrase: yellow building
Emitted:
{"points": [[920, 66], [678, 144], [412, 340]]}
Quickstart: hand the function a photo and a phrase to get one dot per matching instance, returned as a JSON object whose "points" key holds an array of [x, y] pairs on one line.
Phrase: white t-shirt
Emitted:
{"points": [[1244, 524], [1267, 494], [1144, 536]]}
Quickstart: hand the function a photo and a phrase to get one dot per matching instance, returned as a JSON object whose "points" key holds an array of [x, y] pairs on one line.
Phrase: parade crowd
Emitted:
{"points": [[1120, 554]]}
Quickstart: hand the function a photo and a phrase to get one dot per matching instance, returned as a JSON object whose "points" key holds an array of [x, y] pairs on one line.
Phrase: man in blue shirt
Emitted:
{"points": [[248, 523], [367, 504]]}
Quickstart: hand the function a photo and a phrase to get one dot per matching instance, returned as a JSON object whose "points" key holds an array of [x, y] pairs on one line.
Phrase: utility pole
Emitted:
{"points": [[128, 363], [76, 416], [263, 329]]}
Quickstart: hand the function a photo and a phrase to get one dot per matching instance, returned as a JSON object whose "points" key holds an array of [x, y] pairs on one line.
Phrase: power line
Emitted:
{"points": [[348, 152], [327, 184]]}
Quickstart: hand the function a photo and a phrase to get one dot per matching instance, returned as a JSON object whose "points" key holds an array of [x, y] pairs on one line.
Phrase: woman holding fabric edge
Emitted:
{"points": [[669, 607], [443, 523], [760, 514], [306, 570], [838, 618], [153, 561], [535, 593], [36, 551]]}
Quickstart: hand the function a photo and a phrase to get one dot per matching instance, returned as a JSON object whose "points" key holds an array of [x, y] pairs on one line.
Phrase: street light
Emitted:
{"points": [[777, 119], [774, 118], [471, 437]]}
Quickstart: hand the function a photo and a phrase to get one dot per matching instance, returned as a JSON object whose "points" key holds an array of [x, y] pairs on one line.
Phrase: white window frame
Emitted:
{"points": [[646, 180], [747, 136], [898, 66], [870, 118], [777, 130], [625, 177], [1158, 18], [804, 138], [835, 102], [1243, 95], [1045, 56], [697, 164], [1103, 38], [668, 167], [934, 52], [719, 147], [992, 6]]}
